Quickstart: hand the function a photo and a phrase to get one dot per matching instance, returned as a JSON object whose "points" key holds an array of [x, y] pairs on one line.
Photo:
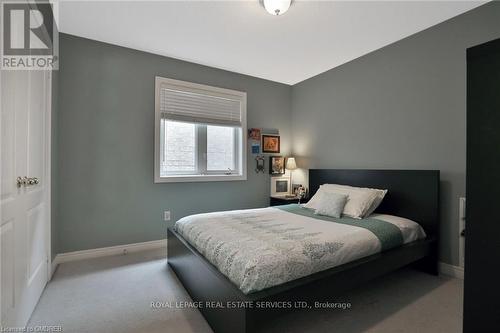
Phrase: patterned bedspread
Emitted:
{"points": [[260, 248]]}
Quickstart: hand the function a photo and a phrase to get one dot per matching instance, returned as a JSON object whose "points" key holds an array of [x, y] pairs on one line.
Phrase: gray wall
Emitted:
{"points": [[105, 132], [402, 106]]}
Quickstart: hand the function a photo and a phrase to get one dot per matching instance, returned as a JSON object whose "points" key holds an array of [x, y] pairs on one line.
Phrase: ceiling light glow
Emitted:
{"points": [[277, 7]]}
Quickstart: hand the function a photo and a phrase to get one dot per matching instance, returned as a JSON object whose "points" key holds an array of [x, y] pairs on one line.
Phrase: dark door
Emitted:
{"points": [[482, 245]]}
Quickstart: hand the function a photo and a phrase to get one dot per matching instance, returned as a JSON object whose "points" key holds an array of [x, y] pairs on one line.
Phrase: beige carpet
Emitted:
{"points": [[114, 294]]}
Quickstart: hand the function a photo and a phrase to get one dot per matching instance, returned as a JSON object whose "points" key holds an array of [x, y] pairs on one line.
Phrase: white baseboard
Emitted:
{"points": [[107, 251], [53, 267], [450, 270]]}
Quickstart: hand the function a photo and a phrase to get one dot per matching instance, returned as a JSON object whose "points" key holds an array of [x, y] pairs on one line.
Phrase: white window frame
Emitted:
{"points": [[241, 147]]}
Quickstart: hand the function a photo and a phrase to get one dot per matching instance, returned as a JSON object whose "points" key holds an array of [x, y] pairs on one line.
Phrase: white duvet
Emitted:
{"points": [[260, 248]]}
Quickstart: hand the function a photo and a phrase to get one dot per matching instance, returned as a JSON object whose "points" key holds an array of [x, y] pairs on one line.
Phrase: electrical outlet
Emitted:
{"points": [[166, 215]]}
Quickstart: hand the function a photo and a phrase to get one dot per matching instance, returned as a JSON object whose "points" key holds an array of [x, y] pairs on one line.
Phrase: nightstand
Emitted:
{"points": [[282, 200]]}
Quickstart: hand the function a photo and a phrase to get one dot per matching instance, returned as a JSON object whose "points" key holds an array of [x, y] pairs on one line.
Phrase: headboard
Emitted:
{"points": [[413, 194]]}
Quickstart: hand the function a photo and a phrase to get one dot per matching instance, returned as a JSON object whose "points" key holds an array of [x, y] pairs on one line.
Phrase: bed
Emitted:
{"points": [[233, 286]]}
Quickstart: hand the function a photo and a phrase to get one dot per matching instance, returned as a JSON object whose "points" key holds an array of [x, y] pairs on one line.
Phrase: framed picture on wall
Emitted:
{"points": [[254, 134], [280, 186], [270, 144], [276, 165]]}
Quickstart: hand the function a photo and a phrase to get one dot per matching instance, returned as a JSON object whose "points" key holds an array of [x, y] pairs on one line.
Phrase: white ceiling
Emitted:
{"points": [[240, 36]]}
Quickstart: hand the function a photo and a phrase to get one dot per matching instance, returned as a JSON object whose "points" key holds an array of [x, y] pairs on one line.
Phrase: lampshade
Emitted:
{"points": [[290, 163], [277, 7]]}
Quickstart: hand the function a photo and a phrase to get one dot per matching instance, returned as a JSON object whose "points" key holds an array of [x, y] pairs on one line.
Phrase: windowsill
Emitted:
{"points": [[199, 178]]}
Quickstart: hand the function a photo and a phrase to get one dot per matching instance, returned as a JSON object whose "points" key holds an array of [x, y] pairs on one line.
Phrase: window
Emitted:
{"points": [[199, 132]]}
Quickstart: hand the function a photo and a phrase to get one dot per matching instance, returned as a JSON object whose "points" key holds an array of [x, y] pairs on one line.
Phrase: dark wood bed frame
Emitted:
{"points": [[413, 194]]}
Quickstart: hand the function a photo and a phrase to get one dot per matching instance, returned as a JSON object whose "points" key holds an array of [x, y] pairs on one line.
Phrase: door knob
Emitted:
{"points": [[33, 181], [26, 181], [20, 181]]}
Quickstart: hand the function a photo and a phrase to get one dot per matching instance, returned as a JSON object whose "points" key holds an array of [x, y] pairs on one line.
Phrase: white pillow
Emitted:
{"points": [[331, 204], [379, 195], [378, 200], [314, 201], [360, 202]]}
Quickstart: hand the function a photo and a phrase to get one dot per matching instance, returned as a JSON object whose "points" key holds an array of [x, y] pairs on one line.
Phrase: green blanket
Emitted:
{"points": [[389, 235]]}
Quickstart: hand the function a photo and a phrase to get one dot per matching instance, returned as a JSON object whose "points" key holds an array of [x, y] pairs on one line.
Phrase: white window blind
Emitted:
{"points": [[199, 106]]}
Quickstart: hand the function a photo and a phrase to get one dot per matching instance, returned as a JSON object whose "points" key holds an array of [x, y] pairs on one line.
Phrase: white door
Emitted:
{"points": [[24, 192]]}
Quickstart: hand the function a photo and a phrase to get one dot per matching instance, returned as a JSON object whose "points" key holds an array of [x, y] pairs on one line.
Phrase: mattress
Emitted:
{"points": [[261, 248]]}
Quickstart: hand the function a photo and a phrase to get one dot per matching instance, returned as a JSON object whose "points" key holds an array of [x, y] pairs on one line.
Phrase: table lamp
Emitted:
{"points": [[291, 165]]}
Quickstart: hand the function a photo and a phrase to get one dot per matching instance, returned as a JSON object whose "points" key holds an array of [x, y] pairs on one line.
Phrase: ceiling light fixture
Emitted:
{"points": [[276, 7]]}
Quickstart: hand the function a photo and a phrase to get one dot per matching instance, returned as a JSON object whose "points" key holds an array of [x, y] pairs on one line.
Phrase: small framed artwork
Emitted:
{"points": [[256, 147], [280, 186], [296, 188], [276, 165], [254, 134], [260, 166], [270, 144]]}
